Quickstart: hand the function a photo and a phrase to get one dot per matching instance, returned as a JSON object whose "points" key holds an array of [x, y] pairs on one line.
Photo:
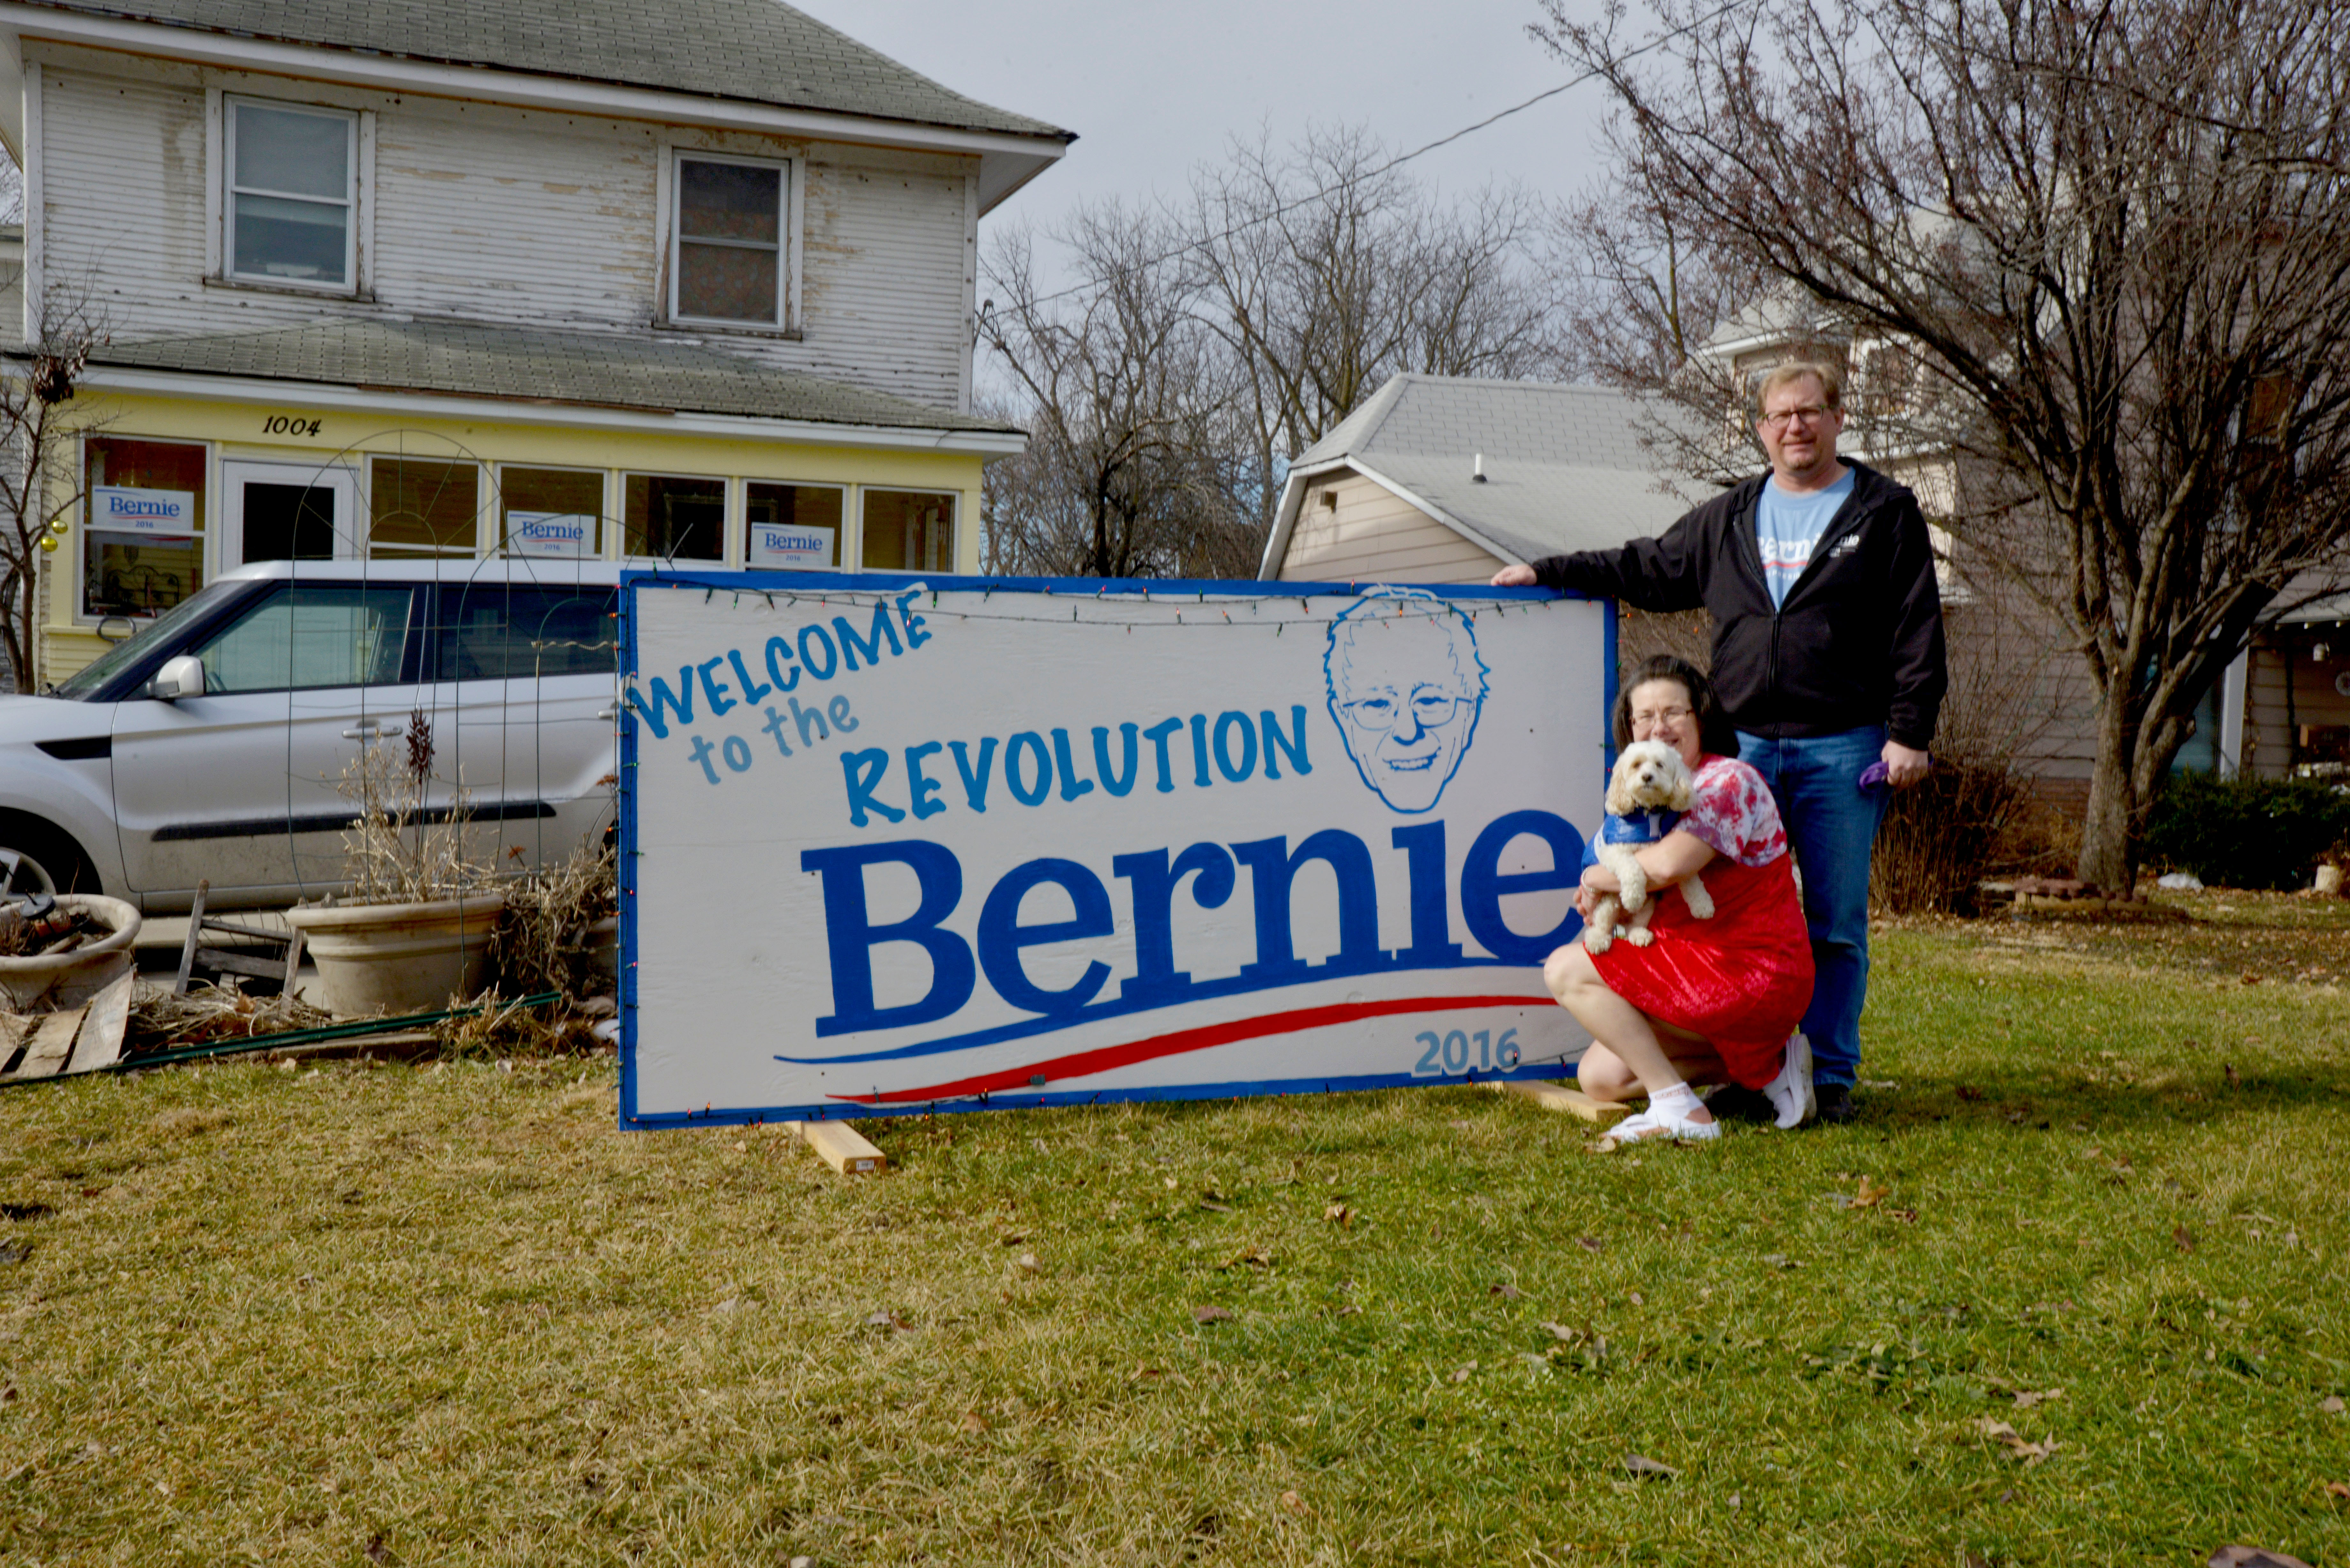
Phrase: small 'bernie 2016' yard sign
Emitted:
{"points": [[892, 846]]}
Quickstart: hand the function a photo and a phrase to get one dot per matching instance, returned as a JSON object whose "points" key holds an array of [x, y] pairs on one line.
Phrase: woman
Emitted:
{"points": [[1709, 1000]]}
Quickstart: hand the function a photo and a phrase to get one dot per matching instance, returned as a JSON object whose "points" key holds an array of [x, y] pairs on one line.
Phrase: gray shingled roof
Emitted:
{"points": [[758, 50], [1564, 466], [587, 367]]}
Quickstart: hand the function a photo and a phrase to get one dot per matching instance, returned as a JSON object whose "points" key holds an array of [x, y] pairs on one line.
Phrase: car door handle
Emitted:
{"points": [[381, 732]]}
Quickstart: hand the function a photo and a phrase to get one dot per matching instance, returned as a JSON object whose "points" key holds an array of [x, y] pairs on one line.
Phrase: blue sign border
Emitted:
{"points": [[724, 581]]}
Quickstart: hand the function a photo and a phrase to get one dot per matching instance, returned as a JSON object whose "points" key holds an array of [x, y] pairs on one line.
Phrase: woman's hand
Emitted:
{"points": [[1598, 882]]}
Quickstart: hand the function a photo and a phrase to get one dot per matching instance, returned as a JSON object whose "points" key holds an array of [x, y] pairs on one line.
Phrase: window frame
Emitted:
{"points": [[604, 544], [207, 501], [728, 506], [370, 550], [953, 498], [353, 205], [788, 250]]}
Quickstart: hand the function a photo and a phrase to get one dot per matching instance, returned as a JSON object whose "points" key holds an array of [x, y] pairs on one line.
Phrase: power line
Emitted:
{"points": [[1402, 158]]}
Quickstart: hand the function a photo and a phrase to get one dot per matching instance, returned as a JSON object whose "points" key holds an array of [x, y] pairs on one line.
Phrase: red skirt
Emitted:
{"points": [[1741, 981]]}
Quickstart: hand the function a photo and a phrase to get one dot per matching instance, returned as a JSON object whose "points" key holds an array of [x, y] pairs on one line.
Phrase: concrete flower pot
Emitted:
{"points": [[68, 980], [398, 958]]}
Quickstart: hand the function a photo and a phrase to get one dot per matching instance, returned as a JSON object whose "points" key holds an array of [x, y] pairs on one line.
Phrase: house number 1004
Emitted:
{"points": [[289, 424]]}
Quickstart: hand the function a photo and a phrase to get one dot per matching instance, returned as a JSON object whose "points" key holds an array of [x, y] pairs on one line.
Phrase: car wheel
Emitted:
{"points": [[34, 858]]}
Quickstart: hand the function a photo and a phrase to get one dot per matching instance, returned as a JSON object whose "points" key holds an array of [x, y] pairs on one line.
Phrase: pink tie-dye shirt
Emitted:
{"points": [[1734, 813]]}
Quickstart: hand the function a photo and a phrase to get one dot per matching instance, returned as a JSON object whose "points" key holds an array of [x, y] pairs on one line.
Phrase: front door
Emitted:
{"points": [[287, 512]]}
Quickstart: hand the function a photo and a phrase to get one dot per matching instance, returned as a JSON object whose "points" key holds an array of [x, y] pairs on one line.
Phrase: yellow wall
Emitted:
{"points": [[236, 431]]}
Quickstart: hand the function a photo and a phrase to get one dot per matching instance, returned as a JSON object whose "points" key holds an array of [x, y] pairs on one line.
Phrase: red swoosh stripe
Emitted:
{"points": [[1084, 1063]]}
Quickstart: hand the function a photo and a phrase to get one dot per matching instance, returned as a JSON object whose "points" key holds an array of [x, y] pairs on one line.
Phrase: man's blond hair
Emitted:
{"points": [[1831, 382]]}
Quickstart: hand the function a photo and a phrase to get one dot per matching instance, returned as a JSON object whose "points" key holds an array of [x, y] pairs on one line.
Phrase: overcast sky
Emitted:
{"points": [[1153, 90]]}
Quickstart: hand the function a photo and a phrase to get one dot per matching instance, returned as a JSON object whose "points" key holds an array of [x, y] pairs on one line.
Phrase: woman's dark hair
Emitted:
{"points": [[1715, 734]]}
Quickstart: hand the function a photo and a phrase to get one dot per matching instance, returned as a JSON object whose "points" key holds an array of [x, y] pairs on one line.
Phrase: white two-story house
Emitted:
{"points": [[689, 282]]}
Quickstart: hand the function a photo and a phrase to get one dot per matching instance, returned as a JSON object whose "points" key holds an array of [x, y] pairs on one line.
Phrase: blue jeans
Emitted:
{"points": [[1831, 824]]}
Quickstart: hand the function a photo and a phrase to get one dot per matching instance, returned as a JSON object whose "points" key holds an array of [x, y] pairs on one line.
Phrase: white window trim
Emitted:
{"points": [[359, 204], [787, 268], [739, 539]]}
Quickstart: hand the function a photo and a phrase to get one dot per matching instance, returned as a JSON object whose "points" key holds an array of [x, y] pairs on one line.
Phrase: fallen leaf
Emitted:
{"points": [[2234, 1081], [1641, 1468], [1780, 1261], [974, 1422], [1349, 1311], [1028, 1263], [1461, 1374], [1210, 1314], [1588, 1243], [378, 1551], [2331, 1404], [887, 1320], [1173, 1184], [1869, 1194], [2336, 1488], [1014, 1239], [2031, 1453], [2183, 1239], [2252, 1557], [1338, 1214], [1253, 1257], [1507, 1293], [1969, 1092], [1295, 1504], [1142, 1371], [1213, 1207], [2026, 1399]]}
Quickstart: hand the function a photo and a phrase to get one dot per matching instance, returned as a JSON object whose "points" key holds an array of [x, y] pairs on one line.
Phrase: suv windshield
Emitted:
{"points": [[91, 678]]}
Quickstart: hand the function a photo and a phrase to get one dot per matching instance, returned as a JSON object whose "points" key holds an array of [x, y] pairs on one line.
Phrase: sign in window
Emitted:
{"points": [[142, 534], [551, 512], [791, 527]]}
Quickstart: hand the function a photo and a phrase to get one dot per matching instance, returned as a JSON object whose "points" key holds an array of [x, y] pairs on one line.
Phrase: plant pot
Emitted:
{"points": [[68, 980], [398, 958]]}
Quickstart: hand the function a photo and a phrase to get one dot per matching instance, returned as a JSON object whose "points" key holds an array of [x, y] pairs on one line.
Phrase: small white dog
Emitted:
{"points": [[1649, 790]]}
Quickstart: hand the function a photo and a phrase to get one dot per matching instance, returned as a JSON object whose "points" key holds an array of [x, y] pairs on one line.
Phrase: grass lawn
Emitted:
{"points": [[445, 1314]]}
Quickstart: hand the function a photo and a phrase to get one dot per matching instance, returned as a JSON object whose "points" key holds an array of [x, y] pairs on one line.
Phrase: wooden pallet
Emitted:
{"points": [[1560, 1097], [81, 1039], [216, 958]]}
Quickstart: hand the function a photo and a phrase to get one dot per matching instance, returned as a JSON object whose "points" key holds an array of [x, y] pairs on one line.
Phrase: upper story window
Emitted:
{"points": [[293, 191], [730, 238]]}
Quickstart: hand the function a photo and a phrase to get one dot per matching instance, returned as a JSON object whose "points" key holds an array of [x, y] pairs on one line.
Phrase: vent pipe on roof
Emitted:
{"points": [[1479, 476]]}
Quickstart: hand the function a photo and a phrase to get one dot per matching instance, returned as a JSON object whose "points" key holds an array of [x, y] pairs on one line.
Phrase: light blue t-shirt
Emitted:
{"points": [[1787, 527]]}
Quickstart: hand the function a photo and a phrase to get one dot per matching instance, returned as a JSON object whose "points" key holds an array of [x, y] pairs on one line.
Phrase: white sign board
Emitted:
{"points": [[119, 509], [562, 536], [911, 848], [790, 545]]}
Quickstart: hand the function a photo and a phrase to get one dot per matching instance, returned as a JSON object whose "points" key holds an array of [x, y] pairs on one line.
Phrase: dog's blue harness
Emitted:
{"points": [[1644, 827]]}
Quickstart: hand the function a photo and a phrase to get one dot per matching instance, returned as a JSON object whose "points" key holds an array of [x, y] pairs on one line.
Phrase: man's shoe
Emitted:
{"points": [[1835, 1102], [1737, 1103]]}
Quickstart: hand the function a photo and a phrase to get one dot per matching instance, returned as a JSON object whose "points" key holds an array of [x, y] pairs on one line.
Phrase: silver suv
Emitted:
{"points": [[210, 746]]}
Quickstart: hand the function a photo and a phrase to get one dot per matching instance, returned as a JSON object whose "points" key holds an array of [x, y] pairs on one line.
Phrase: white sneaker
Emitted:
{"points": [[1790, 1092], [1655, 1124]]}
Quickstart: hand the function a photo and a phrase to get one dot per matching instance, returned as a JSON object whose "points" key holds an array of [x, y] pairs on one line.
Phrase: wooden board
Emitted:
{"points": [[99, 1044], [52, 1043], [843, 1147], [1561, 1097]]}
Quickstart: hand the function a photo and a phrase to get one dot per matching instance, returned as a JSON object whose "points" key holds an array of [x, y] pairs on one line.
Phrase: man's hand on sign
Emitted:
{"points": [[1905, 766], [1514, 578]]}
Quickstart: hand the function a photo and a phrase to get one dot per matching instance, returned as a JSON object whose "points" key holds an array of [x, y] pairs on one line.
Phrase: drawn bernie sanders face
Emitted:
{"points": [[1406, 691]]}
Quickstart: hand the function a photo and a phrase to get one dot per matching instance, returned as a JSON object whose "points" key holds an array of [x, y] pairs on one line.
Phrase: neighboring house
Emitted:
{"points": [[689, 282], [1444, 479]]}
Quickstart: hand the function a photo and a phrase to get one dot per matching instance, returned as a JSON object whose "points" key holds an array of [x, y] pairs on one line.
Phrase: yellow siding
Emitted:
{"points": [[233, 431], [1374, 535]]}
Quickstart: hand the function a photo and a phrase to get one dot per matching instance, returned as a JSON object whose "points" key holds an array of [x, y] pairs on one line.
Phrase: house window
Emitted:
{"points": [[293, 187], [553, 513], [672, 518], [790, 526], [727, 240], [422, 508], [142, 537], [909, 531]]}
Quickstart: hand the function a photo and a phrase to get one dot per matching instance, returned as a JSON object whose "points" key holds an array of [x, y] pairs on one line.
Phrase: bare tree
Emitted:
{"points": [[40, 481], [1132, 468], [1330, 271], [2114, 241]]}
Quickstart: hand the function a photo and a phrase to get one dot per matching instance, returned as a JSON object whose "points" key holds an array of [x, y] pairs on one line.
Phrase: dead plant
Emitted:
{"points": [[544, 938], [402, 850]]}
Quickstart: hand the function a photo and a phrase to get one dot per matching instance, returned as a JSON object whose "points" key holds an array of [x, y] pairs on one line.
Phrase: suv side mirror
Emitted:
{"points": [[181, 676]]}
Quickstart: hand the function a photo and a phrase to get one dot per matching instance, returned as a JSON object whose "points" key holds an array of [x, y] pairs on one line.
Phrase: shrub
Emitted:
{"points": [[2243, 832], [1944, 835]]}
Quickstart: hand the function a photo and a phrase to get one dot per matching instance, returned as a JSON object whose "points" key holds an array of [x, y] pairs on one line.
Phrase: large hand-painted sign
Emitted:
{"points": [[891, 846]]}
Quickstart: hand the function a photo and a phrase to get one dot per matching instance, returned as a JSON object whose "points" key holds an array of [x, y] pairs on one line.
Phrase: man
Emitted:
{"points": [[1827, 655]]}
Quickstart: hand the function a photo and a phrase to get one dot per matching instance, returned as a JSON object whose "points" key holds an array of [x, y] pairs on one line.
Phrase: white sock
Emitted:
{"points": [[1678, 1103]]}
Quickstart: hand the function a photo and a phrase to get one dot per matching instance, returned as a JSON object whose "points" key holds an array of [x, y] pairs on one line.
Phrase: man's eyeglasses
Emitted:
{"points": [[1648, 719], [1810, 414], [1428, 710]]}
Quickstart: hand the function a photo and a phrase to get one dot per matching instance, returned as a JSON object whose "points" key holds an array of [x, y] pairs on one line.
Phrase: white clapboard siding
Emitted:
{"points": [[515, 217], [1374, 536], [504, 215], [882, 276]]}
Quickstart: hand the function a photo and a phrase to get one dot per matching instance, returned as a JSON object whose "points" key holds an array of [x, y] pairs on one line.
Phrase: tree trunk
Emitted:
{"points": [[2105, 848]]}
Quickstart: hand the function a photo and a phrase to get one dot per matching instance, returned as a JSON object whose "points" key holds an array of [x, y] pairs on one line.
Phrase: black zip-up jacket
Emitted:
{"points": [[1858, 641]]}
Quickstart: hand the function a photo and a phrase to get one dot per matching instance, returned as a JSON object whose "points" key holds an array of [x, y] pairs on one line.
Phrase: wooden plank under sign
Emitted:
{"points": [[100, 1044], [51, 1042], [1560, 1097], [843, 1147]]}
